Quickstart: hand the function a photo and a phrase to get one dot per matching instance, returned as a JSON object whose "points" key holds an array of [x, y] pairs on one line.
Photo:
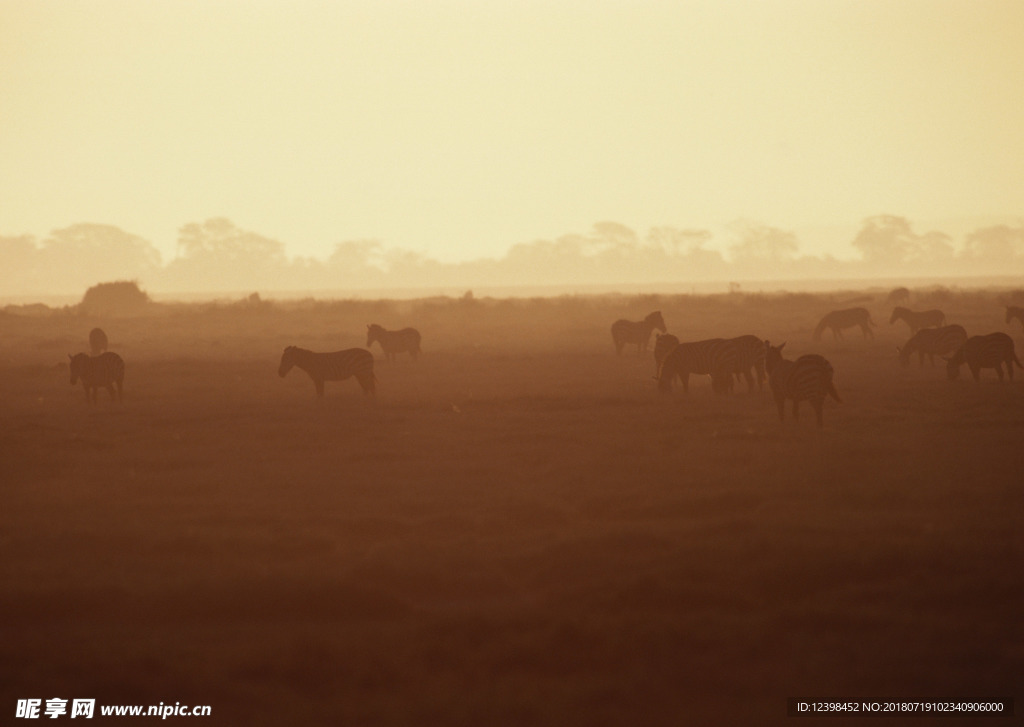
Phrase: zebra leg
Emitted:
{"points": [[976, 372], [780, 402], [818, 404], [120, 393], [110, 388]]}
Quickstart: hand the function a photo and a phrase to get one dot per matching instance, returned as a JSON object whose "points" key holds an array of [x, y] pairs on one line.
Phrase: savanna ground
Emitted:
{"points": [[519, 530]]}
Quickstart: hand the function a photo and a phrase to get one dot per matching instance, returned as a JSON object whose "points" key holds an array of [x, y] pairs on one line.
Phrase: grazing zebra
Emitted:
{"points": [[751, 350], [1014, 311], [394, 342], [925, 319], [638, 332], [932, 342], [97, 341], [837, 320], [715, 357], [984, 352], [898, 295], [809, 378], [663, 345], [104, 370], [336, 366]]}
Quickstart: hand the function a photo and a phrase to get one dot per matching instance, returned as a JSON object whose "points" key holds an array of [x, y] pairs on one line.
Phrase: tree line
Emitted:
{"points": [[216, 255]]}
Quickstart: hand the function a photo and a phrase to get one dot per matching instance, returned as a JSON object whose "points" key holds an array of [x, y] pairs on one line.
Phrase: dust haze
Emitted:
{"points": [[518, 528]]}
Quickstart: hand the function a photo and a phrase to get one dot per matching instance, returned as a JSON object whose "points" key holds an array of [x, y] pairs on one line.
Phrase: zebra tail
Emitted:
{"points": [[832, 391], [819, 330]]}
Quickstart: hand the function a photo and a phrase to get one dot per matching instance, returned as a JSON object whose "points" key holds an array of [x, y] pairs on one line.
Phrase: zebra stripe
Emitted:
{"points": [[837, 320], [394, 342], [97, 341], [751, 353], [1013, 311], [715, 357], [932, 342], [918, 320], [638, 332], [809, 378], [335, 366], [984, 352], [104, 370]]}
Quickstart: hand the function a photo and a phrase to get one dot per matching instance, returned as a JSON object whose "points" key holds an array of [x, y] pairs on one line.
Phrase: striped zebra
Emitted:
{"points": [[751, 363], [394, 342], [663, 344], [918, 320], [837, 320], [104, 370], [932, 342], [97, 341], [715, 357], [898, 295], [1014, 311], [335, 366], [638, 332], [809, 378], [984, 352]]}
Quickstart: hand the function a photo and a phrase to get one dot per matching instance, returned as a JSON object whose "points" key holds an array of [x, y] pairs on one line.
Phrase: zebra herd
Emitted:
{"points": [[725, 360], [810, 377]]}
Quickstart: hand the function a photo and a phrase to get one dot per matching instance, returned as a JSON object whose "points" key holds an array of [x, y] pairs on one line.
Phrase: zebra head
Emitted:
{"points": [[287, 361], [374, 332], [772, 355], [657, 321], [897, 313], [77, 366]]}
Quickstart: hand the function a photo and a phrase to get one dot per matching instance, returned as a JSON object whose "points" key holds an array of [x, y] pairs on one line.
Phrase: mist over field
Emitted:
{"points": [[518, 528]]}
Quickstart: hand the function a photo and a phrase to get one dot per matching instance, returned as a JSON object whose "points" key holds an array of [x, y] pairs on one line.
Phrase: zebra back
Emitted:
{"points": [[332, 366], [984, 352], [715, 357], [393, 342], [933, 342]]}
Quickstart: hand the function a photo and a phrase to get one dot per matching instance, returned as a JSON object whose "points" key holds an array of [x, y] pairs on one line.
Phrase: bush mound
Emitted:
{"points": [[122, 297]]}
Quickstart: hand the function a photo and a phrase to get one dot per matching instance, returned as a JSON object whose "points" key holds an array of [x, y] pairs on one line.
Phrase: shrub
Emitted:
{"points": [[122, 297]]}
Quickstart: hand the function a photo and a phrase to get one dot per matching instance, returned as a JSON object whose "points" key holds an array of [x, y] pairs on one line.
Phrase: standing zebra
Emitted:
{"points": [[751, 351], [1014, 311], [898, 295], [918, 320], [394, 342], [638, 332], [837, 320], [984, 352], [933, 342], [97, 341], [715, 357], [104, 370], [336, 366], [809, 378]]}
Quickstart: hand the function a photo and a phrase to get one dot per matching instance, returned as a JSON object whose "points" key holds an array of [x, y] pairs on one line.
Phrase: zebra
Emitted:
{"points": [[837, 320], [715, 357], [933, 342], [898, 295], [638, 332], [394, 342], [984, 352], [925, 319], [751, 351], [808, 378], [335, 366], [97, 341], [104, 370], [1014, 311], [663, 345]]}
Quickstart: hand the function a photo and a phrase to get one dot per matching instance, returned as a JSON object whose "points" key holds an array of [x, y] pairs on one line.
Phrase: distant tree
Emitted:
{"points": [[763, 244], [890, 241], [76, 255], [678, 243], [997, 245], [216, 254]]}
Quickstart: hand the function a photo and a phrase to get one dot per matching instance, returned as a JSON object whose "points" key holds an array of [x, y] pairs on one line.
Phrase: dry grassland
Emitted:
{"points": [[518, 531]]}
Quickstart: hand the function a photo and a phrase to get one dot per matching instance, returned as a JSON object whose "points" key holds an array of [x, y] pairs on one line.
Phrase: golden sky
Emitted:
{"points": [[458, 129]]}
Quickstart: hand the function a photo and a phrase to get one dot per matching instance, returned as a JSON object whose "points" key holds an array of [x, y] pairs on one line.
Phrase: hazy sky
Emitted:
{"points": [[458, 129]]}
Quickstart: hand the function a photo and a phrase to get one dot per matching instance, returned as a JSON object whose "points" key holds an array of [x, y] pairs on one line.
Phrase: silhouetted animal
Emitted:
{"points": [[638, 332], [809, 378], [898, 295], [932, 342], [334, 366], [663, 344], [837, 320], [984, 352], [715, 357], [925, 319], [751, 363], [1013, 311], [97, 341], [394, 342], [104, 370]]}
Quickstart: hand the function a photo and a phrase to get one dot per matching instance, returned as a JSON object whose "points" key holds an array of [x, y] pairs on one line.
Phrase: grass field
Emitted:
{"points": [[519, 530]]}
